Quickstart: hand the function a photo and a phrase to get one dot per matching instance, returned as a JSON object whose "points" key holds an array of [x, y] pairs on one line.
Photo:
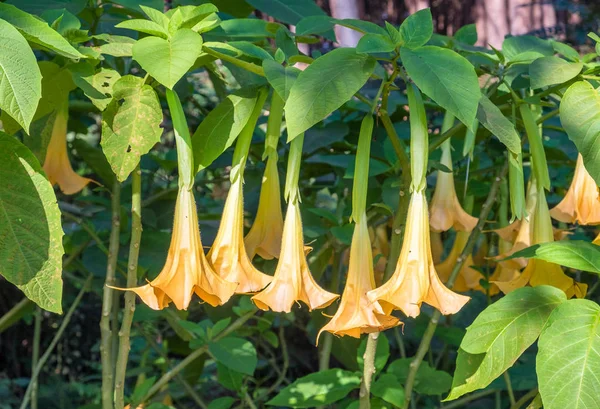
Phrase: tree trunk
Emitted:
{"points": [[341, 9], [415, 5], [492, 22]]}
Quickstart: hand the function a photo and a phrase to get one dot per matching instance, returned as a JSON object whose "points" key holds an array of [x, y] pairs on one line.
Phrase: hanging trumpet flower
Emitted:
{"points": [[357, 314], [445, 210], [581, 204], [293, 281], [186, 270], [264, 238], [56, 163], [228, 254], [468, 278], [415, 280]]}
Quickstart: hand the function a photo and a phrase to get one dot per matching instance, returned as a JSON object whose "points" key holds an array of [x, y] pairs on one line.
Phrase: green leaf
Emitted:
{"points": [[20, 77], [221, 403], [467, 34], [429, 381], [389, 389], [96, 160], [244, 28], [580, 116], [38, 31], [228, 378], [500, 334], [490, 116], [374, 44], [526, 47], [30, 228], [235, 353], [97, 86], [381, 355], [552, 70], [445, 76], [39, 6], [324, 86], [144, 26], [168, 60], [221, 127], [281, 78], [569, 357], [417, 29], [132, 127], [316, 389], [117, 46], [288, 11], [577, 254]]}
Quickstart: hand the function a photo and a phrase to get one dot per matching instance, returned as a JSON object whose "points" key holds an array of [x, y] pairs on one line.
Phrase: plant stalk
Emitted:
{"points": [[368, 371], [37, 334]]}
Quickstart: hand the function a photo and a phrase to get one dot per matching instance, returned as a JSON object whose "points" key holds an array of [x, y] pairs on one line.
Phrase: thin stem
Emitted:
{"points": [[129, 308], [106, 349], [509, 389], [529, 395], [400, 342], [194, 355], [325, 353], [248, 400], [368, 371], [474, 396], [256, 69], [428, 335], [440, 139], [37, 334], [14, 313], [57, 336]]}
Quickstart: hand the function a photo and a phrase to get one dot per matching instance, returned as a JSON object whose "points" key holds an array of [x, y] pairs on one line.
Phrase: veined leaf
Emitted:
{"points": [[281, 78], [132, 127], [523, 48], [490, 116], [235, 353], [144, 26], [38, 31], [416, 29], [168, 60], [580, 116], [577, 254], [20, 77], [97, 86], [467, 34], [288, 11], [445, 76], [375, 43], [324, 86], [500, 334], [552, 70], [569, 357], [30, 228]]}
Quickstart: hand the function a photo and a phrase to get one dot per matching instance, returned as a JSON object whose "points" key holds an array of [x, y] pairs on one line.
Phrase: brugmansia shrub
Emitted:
{"points": [[408, 237]]}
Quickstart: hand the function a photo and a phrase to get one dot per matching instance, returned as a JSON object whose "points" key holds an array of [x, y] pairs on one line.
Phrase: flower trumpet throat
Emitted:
{"points": [[292, 281], [356, 314], [56, 163], [186, 270], [228, 254], [581, 204], [264, 238], [415, 280], [446, 210]]}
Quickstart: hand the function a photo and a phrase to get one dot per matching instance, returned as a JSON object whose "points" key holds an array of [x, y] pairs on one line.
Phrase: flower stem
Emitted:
{"points": [[106, 348], [459, 403], [509, 389], [368, 371], [129, 308], [428, 335], [37, 332]]}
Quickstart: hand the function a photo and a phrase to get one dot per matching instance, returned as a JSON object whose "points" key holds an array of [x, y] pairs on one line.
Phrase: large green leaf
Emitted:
{"points": [[445, 76], [389, 389], [526, 48], [221, 127], [288, 11], [577, 254], [324, 86], [416, 29], [237, 354], [580, 116], [429, 381], [569, 357], [316, 389], [30, 230], [130, 124], [168, 60], [39, 6], [38, 31], [490, 116], [500, 334], [552, 70], [97, 86], [281, 78], [20, 77]]}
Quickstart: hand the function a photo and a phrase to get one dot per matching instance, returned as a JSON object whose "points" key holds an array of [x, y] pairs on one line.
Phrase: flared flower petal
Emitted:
{"points": [[415, 279], [581, 204], [468, 278], [446, 211], [228, 255], [186, 270], [292, 281], [56, 163], [356, 314], [264, 238]]}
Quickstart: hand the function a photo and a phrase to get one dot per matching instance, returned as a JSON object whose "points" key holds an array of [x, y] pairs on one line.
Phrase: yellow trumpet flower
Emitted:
{"points": [[228, 254], [357, 314], [445, 209], [540, 272], [581, 204], [415, 280], [468, 278], [186, 270], [56, 163], [501, 272], [292, 281], [264, 238]]}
